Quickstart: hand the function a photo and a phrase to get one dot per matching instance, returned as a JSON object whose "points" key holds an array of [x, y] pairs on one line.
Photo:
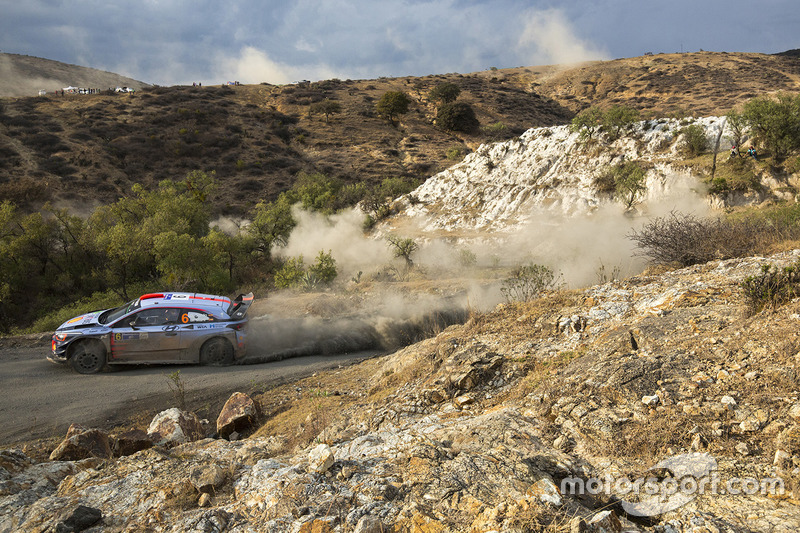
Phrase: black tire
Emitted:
{"points": [[216, 352], [88, 357]]}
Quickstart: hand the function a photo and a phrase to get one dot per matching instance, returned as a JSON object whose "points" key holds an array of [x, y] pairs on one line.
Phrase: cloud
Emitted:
{"points": [[252, 65], [549, 38]]}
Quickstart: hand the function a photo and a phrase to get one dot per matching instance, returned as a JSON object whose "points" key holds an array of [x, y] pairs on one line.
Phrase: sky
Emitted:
{"points": [[169, 42]]}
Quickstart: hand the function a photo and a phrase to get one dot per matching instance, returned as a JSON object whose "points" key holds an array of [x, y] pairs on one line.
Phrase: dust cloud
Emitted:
{"points": [[380, 304]]}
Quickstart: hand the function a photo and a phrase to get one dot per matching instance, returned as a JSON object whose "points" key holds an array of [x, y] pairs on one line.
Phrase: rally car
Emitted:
{"points": [[157, 328]]}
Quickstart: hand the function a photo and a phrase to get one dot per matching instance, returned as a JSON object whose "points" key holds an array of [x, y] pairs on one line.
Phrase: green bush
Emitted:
{"points": [[772, 288], [290, 274], [629, 182], [393, 103], [324, 268], [695, 141], [457, 116], [775, 122], [444, 93]]}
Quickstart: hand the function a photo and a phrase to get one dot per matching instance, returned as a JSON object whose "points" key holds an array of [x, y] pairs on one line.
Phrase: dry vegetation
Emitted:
{"points": [[80, 150]]}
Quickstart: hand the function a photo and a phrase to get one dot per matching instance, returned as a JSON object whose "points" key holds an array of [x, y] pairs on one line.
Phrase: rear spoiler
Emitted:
{"points": [[239, 306]]}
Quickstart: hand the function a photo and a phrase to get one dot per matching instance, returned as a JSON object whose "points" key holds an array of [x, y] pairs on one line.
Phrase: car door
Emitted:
{"points": [[197, 326], [152, 334]]}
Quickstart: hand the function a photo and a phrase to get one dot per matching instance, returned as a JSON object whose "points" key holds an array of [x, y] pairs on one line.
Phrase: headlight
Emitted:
{"points": [[62, 336]]}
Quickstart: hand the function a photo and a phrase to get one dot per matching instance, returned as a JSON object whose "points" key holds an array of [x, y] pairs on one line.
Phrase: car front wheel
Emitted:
{"points": [[216, 352], [88, 357]]}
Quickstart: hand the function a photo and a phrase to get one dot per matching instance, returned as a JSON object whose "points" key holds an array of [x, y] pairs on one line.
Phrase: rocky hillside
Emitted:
{"points": [[665, 380], [504, 186], [82, 149]]}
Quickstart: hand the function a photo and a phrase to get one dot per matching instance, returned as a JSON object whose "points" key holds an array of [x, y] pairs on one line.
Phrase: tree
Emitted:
{"points": [[444, 93], [737, 124], [457, 116], [775, 122], [403, 247], [629, 182], [326, 107], [587, 122], [393, 103], [618, 119], [271, 224], [695, 140]]}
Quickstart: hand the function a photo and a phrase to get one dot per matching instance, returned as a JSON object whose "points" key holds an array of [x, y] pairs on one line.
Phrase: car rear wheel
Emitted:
{"points": [[88, 357], [216, 352]]}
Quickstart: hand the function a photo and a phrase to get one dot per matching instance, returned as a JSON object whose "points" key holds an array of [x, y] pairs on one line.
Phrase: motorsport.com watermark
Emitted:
{"points": [[691, 475]]}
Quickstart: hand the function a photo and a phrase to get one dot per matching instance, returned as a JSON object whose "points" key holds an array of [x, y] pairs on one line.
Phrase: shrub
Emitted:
{"points": [[403, 247], [772, 288], [618, 119], [457, 116], [290, 274], [444, 93], [324, 268], [455, 153], [393, 103], [497, 130], [629, 182], [695, 141], [528, 282], [775, 122], [686, 240]]}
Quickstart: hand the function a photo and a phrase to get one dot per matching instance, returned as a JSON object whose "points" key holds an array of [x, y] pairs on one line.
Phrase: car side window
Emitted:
{"points": [[154, 317], [194, 316]]}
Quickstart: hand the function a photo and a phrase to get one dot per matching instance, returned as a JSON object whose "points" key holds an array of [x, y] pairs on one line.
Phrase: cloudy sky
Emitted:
{"points": [[181, 41]]}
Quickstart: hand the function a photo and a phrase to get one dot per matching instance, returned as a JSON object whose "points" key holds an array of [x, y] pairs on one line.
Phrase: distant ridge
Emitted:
{"points": [[22, 75]]}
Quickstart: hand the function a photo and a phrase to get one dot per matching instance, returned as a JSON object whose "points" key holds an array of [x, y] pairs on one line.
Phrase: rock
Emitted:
{"points": [[794, 411], [782, 459], [606, 522], [369, 524], [750, 376], [650, 401], [742, 448], [82, 517], [577, 525], [82, 443], [130, 442], [749, 425], [729, 402], [321, 458], [204, 500], [207, 478], [173, 426], [316, 526], [464, 399], [240, 412]]}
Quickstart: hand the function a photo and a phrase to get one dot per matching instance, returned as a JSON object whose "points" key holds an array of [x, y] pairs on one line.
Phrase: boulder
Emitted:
{"points": [[207, 478], [82, 517], [130, 442], [173, 426], [82, 443], [239, 413], [321, 458]]}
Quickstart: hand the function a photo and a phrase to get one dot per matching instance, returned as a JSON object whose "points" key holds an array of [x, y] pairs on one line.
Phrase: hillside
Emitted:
{"points": [[22, 76], [89, 149], [665, 378]]}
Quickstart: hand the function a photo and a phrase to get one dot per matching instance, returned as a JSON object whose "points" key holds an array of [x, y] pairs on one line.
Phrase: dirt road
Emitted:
{"points": [[39, 399]]}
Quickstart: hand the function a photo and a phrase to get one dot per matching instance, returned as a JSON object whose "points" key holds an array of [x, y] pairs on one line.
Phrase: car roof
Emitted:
{"points": [[207, 301]]}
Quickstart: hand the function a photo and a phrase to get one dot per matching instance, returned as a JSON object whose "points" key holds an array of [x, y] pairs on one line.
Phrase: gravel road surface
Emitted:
{"points": [[40, 399]]}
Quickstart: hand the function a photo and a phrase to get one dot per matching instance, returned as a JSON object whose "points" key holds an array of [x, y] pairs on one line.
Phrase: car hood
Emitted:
{"points": [[83, 321]]}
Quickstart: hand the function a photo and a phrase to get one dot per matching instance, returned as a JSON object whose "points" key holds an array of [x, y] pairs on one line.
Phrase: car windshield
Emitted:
{"points": [[113, 314]]}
